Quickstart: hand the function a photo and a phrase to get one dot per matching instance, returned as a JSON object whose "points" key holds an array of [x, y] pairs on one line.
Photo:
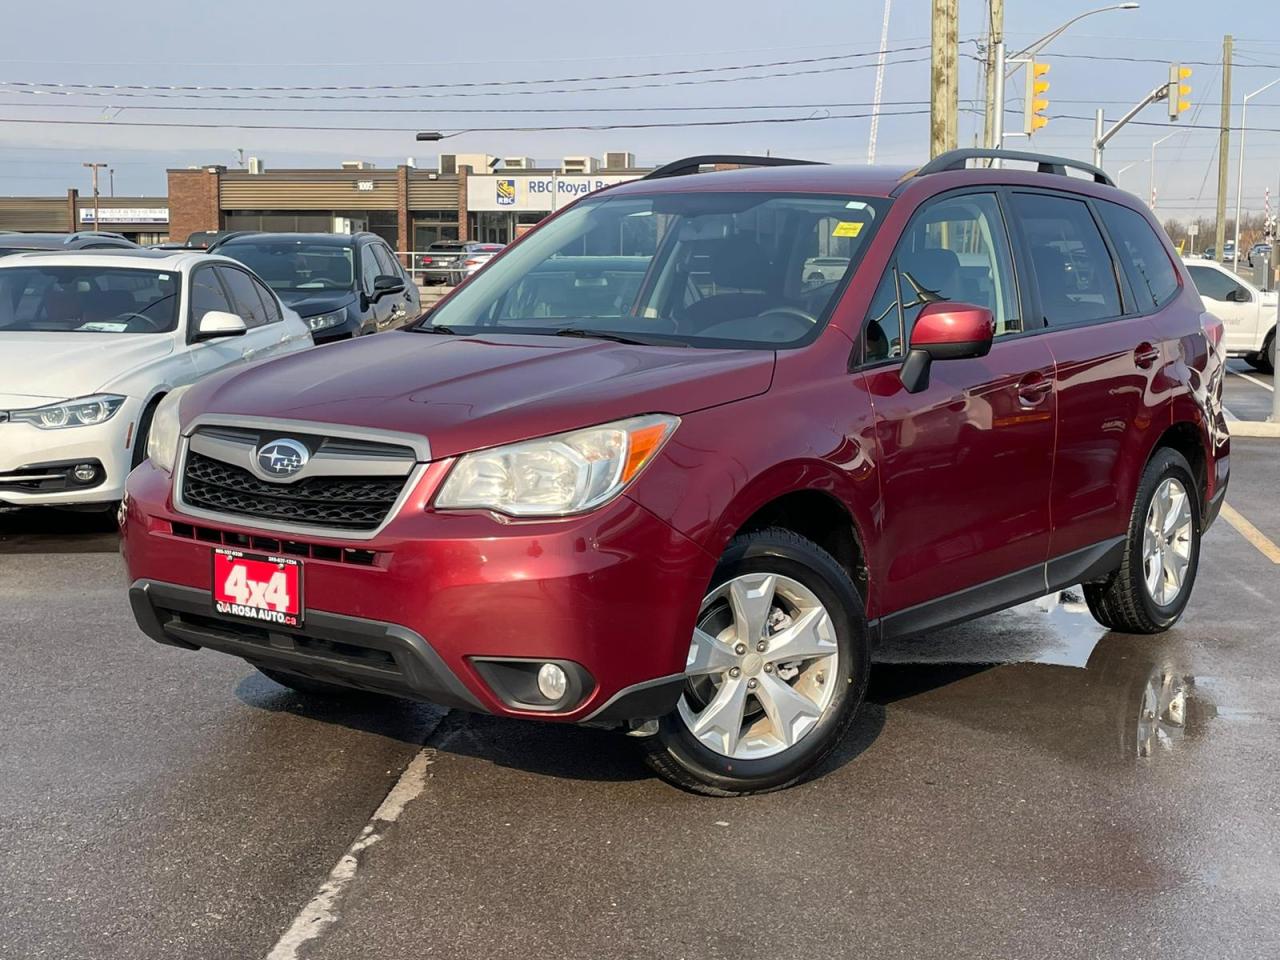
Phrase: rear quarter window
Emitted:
{"points": [[1142, 256]]}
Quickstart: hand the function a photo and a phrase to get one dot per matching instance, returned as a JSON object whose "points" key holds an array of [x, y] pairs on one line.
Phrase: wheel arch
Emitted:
{"points": [[1187, 439]]}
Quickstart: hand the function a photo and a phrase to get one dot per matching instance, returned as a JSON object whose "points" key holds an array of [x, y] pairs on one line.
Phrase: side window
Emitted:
{"points": [[386, 262], [1142, 255], [1213, 283], [206, 295], [245, 296], [369, 268], [955, 249], [1073, 268], [268, 301]]}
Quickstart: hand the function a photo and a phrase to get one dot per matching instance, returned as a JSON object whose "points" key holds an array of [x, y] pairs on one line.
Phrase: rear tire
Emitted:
{"points": [[753, 719], [1264, 361], [1161, 553]]}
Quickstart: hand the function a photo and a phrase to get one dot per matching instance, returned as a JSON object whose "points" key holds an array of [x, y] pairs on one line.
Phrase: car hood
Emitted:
{"points": [[58, 366], [469, 392], [308, 303]]}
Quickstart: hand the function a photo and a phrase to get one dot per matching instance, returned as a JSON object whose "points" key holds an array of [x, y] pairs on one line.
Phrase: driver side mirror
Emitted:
{"points": [[945, 331], [385, 284], [219, 323], [1238, 295]]}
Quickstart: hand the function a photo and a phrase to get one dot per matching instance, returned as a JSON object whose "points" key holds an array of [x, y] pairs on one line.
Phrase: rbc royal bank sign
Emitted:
{"points": [[542, 192]]}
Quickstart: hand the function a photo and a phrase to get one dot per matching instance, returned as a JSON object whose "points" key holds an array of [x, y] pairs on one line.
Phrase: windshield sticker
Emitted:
{"points": [[855, 205], [847, 228], [103, 326]]}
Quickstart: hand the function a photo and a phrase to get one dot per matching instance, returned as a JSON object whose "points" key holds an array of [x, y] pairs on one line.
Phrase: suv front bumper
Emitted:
{"points": [[410, 612]]}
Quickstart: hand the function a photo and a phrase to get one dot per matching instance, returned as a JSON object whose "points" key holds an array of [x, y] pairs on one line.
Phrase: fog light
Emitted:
{"points": [[84, 472], [552, 681]]}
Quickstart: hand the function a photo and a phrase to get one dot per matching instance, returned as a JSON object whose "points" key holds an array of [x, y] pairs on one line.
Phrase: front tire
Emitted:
{"points": [[1161, 553], [777, 668]]}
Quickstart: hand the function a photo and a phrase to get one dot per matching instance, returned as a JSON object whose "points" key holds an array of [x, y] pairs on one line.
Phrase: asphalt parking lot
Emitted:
{"points": [[1024, 786]]}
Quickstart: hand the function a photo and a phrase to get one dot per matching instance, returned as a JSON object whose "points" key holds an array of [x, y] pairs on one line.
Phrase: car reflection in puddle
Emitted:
{"points": [[1047, 672]]}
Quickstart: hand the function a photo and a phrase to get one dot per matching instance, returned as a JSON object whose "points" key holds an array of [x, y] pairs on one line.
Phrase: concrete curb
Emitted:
{"points": [[1254, 428]]}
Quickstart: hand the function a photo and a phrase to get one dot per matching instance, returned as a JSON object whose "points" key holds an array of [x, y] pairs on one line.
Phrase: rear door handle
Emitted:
{"points": [[1033, 388], [1145, 355]]}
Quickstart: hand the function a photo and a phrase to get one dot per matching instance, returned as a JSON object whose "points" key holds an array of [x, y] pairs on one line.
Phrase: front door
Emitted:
{"points": [[966, 464]]}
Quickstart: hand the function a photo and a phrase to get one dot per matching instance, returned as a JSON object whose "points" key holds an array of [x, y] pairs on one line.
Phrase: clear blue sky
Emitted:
{"points": [[325, 42]]}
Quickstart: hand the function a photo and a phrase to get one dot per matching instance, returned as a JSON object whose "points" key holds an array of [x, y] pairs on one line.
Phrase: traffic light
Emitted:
{"points": [[1178, 90], [1035, 102]]}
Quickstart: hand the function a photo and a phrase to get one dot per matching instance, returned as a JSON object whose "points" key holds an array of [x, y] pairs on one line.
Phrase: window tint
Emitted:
{"points": [[1142, 255], [1212, 283], [1073, 268], [245, 295], [268, 301], [955, 249], [207, 295], [386, 262]]}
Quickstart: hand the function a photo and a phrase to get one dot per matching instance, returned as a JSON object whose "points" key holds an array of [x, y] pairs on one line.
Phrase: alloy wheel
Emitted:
{"points": [[1166, 542], [762, 667]]}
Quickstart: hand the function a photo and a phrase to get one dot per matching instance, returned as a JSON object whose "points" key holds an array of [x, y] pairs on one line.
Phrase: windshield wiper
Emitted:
{"points": [[435, 328], [588, 333]]}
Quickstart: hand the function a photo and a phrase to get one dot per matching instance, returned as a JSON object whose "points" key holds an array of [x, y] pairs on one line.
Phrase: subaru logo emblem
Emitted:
{"points": [[282, 458]]}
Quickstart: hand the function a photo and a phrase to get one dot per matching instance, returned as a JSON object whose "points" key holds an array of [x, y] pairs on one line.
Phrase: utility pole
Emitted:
{"points": [[944, 105], [95, 167], [995, 37], [1224, 148]]}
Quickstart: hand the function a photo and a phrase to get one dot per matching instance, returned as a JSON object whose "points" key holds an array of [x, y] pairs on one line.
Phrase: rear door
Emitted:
{"points": [[1107, 356], [966, 464], [1231, 302]]}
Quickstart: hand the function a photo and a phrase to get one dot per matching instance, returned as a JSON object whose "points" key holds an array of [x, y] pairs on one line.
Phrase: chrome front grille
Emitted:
{"points": [[350, 486]]}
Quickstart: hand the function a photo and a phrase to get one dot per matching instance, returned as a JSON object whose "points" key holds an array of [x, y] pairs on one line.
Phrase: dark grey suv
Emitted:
{"points": [[83, 240]]}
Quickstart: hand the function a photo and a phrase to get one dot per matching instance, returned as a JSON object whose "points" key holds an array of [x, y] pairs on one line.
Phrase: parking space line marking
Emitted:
{"points": [[1251, 533], [322, 911], [1253, 380]]}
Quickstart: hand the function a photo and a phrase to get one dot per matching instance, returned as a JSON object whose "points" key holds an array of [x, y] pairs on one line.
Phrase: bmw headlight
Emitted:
{"points": [[559, 475], [166, 428], [324, 321], [80, 412]]}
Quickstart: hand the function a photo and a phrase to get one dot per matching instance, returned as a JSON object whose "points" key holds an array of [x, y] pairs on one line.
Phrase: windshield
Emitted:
{"points": [[702, 269], [88, 299], [295, 264]]}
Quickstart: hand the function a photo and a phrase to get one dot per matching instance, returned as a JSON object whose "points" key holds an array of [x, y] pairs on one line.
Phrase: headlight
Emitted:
{"points": [[326, 320], [166, 428], [80, 412], [559, 475]]}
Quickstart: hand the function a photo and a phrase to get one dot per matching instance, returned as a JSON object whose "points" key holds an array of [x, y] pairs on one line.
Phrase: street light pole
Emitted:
{"points": [[95, 167], [1153, 169], [1244, 109], [1032, 49]]}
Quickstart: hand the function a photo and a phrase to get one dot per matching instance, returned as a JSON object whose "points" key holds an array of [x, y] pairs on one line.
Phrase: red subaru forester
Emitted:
{"points": [[662, 467]]}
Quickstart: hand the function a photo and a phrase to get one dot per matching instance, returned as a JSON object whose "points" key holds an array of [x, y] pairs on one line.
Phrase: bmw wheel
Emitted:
{"points": [[777, 667]]}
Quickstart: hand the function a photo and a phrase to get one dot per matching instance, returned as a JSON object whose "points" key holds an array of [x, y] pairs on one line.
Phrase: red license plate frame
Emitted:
{"points": [[257, 588]]}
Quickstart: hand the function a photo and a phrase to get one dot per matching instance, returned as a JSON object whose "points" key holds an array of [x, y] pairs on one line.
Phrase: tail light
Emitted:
{"points": [[472, 263]]}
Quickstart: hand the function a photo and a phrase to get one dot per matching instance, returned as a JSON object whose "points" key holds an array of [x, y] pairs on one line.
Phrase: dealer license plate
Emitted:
{"points": [[250, 586]]}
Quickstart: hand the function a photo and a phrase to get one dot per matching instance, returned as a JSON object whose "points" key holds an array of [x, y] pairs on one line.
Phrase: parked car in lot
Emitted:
{"points": [[1259, 250], [343, 285], [591, 487], [452, 261], [83, 240], [91, 342], [1211, 253], [1248, 314]]}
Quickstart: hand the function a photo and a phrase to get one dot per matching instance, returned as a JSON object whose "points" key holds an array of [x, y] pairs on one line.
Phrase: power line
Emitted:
{"points": [[454, 133]]}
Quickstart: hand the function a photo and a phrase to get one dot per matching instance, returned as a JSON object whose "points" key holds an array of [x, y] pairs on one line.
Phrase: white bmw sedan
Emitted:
{"points": [[89, 344]]}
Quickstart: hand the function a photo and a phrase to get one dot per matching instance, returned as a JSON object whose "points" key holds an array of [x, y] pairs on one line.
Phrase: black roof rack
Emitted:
{"points": [[680, 168], [957, 160]]}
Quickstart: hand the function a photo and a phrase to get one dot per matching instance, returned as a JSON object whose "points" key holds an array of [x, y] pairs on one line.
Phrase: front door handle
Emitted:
{"points": [[1145, 355], [1033, 388]]}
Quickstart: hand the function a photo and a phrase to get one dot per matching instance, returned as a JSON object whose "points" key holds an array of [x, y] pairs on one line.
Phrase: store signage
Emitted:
{"points": [[127, 214], [542, 192]]}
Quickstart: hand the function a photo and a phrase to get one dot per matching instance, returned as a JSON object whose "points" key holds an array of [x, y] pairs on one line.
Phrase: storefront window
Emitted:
{"points": [[432, 225]]}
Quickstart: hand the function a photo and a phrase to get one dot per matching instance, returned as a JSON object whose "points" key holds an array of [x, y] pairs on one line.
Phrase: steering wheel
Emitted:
{"points": [[129, 316]]}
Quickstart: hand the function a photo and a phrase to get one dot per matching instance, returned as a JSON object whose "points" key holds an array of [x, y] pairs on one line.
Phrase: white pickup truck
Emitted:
{"points": [[1248, 314]]}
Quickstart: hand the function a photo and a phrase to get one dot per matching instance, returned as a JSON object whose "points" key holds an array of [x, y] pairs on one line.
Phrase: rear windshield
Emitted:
{"points": [[704, 269], [295, 264], [88, 299]]}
